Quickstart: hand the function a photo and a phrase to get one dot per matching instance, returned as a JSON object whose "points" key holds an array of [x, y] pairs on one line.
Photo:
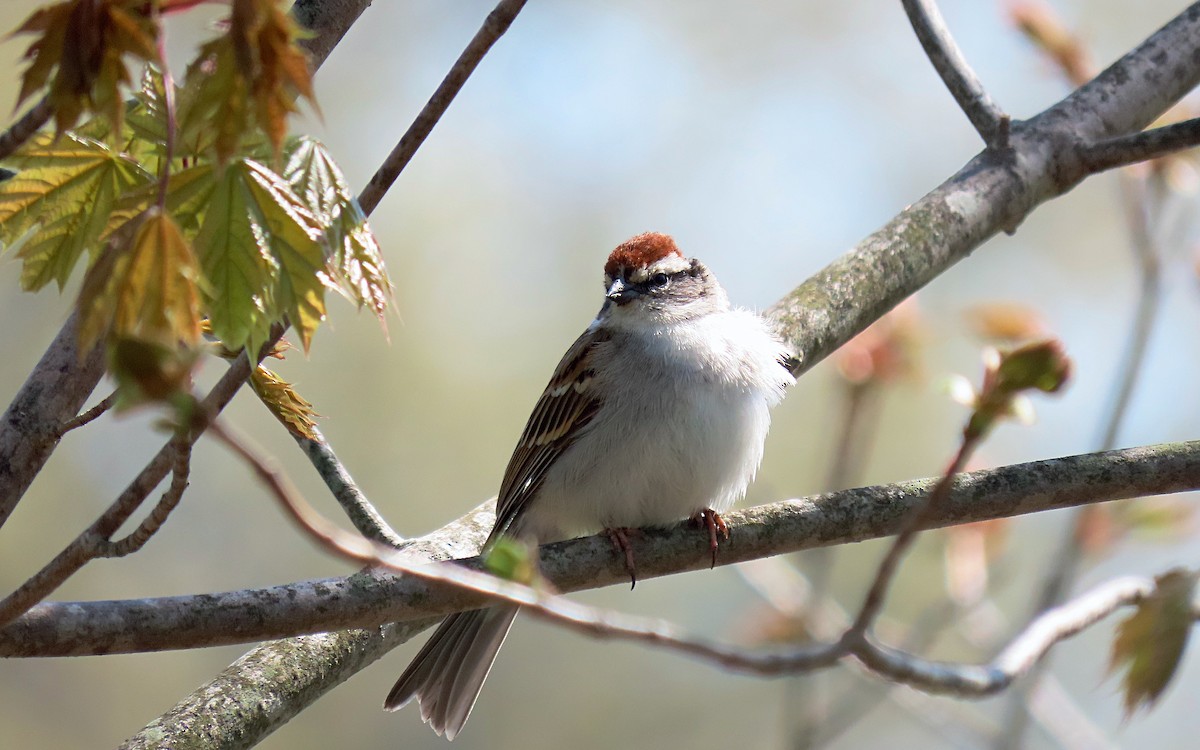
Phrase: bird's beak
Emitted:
{"points": [[620, 293]]}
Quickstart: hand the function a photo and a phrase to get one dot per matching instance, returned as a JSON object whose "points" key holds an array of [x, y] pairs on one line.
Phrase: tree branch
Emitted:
{"points": [[493, 28], [1143, 146], [964, 680], [328, 21], [89, 416], [52, 395], [989, 120], [370, 599], [24, 128], [358, 508], [180, 471]]}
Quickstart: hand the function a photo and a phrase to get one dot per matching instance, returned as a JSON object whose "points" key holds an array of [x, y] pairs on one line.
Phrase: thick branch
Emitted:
{"points": [[52, 396], [956, 73], [993, 192], [371, 599], [328, 21]]}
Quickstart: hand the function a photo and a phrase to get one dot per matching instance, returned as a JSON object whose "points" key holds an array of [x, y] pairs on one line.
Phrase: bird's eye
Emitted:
{"points": [[659, 280]]}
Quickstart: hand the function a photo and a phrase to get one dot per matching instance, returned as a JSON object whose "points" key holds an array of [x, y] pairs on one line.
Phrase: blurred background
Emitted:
{"points": [[768, 138]]}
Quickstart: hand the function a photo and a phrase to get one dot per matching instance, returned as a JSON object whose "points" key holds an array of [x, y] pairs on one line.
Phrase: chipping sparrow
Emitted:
{"points": [[656, 413]]}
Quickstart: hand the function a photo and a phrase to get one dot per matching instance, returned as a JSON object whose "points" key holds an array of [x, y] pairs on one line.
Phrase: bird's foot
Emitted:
{"points": [[620, 540], [712, 521]]}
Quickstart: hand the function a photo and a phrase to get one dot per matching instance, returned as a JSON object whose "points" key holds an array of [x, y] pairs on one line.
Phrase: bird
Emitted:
{"points": [[657, 413]]}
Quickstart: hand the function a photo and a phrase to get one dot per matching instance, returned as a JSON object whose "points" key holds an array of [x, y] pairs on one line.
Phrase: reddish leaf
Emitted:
{"points": [[250, 76], [80, 54], [1150, 643]]}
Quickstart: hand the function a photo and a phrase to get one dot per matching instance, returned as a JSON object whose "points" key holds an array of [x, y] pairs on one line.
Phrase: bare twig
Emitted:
{"points": [[88, 416], [24, 128], [1137, 147], [1072, 58], [358, 508], [1030, 645], [493, 28], [990, 122], [167, 503], [912, 525]]}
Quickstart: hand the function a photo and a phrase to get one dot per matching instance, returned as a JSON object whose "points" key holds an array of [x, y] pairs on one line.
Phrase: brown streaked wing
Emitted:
{"points": [[565, 407]]}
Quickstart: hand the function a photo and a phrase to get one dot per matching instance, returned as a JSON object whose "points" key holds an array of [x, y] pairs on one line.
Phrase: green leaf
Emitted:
{"points": [[1150, 643], [59, 203], [1042, 365], [262, 253], [236, 263], [295, 242], [146, 114], [188, 194], [289, 407], [512, 560], [356, 265]]}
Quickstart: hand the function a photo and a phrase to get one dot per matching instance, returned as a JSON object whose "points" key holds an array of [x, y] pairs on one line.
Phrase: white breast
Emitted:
{"points": [[681, 427]]}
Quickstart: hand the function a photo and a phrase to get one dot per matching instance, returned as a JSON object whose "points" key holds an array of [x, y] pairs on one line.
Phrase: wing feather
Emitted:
{"points": [[566, 406]]}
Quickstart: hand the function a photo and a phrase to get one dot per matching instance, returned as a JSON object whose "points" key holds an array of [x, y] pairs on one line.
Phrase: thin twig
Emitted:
{"points": [[493, 28], [874, 600], [1142, 146], [810, 698], [985, 115], [167, 503], [24, 128], [88, 416], [358, 508]]}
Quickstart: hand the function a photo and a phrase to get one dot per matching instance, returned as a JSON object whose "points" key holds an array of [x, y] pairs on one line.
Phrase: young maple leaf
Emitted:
{"points": [[289, 407], [145, 287], [1151, 641], [249, 76], [80, 54]]}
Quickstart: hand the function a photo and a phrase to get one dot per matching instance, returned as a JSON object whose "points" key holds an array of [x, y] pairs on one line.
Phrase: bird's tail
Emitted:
{"points": [[447, 674]]}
